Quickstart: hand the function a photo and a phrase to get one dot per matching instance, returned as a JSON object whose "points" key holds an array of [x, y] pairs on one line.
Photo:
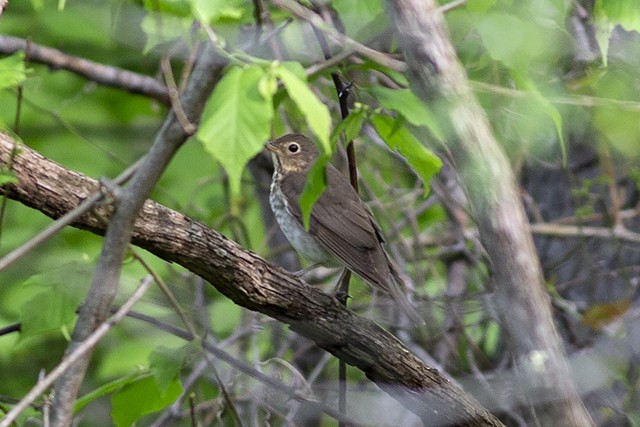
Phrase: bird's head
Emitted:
{"points": [[293, 153]]}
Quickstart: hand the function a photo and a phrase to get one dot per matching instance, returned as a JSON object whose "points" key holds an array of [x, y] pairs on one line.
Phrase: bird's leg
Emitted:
{"points": [[341, 291]]}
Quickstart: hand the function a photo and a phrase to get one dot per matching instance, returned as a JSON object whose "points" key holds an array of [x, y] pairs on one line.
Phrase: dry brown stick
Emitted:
{"points": [[521, 301], [253, 283]]}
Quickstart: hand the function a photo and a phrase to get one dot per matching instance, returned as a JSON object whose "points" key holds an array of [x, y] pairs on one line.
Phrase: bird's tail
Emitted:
{"points": [[398, 290]]}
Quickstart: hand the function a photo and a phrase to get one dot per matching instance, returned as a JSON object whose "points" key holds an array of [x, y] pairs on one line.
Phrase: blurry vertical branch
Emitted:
{"points": [[439, 79], [97, 304]]}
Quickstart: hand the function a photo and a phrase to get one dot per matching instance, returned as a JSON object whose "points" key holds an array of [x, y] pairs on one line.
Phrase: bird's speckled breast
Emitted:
{"points": [[299, 238]]}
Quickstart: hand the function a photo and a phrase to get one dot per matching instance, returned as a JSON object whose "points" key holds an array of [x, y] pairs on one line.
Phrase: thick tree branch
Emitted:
{"points": [[522, 303], [251, 282]]}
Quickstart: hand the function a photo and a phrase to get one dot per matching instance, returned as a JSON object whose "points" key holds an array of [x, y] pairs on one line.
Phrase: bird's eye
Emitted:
{"points": [[293, 148]]}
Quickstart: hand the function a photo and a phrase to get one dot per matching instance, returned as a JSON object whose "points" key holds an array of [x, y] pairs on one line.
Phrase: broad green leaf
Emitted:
{"points": [[236, 121], [162, 28], [316, 114], [358, 15], [405, 102], [208, 11], [511, 40], [398, 137], [620, 127], [165, 364], [54, 307], [141, 398], [545, 105], [108, 388], [12, 70], [46, 312], [350, 125], [315, 185]]}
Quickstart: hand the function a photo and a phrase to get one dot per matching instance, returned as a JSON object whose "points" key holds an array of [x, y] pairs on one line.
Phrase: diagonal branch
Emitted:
{"points": [[94, 71], [253, 283]]}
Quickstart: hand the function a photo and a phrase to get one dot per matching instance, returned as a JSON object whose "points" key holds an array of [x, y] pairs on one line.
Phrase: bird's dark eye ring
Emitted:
{"points": [[293, 148]]}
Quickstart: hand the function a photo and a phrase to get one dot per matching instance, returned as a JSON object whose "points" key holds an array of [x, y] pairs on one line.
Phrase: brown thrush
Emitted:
{"points": [[341, 227]]}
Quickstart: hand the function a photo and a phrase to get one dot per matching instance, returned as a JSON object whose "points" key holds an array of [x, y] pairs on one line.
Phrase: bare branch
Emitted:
{"points": [[347, 43], [253, 283], [100, 73]]}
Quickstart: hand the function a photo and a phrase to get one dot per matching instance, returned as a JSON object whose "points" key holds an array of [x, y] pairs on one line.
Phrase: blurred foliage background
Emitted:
{"points": [[560, 83]]}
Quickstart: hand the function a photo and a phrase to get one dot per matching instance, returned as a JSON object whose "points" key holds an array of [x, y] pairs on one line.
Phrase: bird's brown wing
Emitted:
{"points": [[343, 225]]}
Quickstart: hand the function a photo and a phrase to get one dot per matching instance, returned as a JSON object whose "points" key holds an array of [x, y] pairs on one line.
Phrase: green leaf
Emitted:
{"points": [[55, 306], [46, 312], [208, 11], [350, 125], [313, 188], [618, 126], [315, 113], [511, 40], [236, 121], [161, 28], [165, 364], [357, 15], [140, 398], [7, 177], [12, 70], [398, 137], [608, 15], [405, 102], [545, 105], [108, 388]]}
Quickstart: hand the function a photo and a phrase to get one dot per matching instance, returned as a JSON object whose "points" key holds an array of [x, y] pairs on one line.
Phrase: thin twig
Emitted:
{"points": [[174, 96], [100, 73], [617, 233], [84, 347], [166, 291], [303, 13]]}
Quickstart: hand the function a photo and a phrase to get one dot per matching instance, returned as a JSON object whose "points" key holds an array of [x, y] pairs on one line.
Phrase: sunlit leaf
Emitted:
{"points": [[410, 106], [12, 70], [350, 125], [316, 114], [235, 122], [399, 138]]}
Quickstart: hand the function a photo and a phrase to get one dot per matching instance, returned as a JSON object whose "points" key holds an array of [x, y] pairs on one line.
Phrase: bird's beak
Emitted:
{"points": [[270, 147]]}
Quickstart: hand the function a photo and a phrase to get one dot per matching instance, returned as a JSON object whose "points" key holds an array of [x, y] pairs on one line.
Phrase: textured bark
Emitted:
{"points": [[521, 301], [251, 282]]}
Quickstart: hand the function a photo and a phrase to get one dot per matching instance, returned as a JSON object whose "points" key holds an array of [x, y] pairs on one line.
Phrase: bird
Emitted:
{"points": [[342, 229]]}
